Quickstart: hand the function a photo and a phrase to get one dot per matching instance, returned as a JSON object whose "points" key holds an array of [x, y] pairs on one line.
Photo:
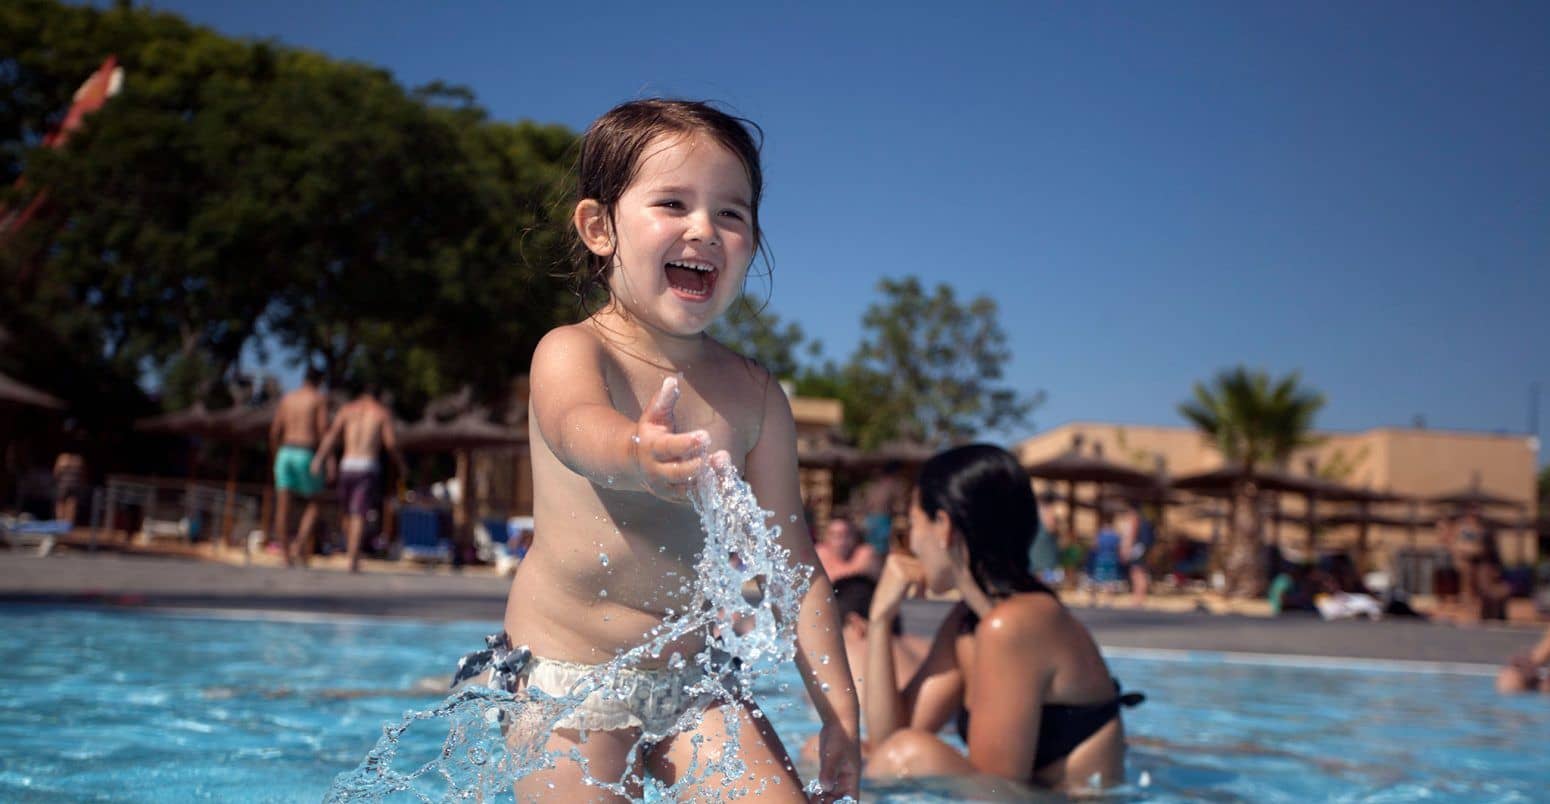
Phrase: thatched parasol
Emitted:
{"points": [[1073, 467], [191, 421], [469, 431], [1076, 468], [825, 456], [904, 453], [1224, 481], [1474, 496], [237, 425]]}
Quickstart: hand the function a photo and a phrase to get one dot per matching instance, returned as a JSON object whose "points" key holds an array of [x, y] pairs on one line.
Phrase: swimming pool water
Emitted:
{"points": [[121, 706]]}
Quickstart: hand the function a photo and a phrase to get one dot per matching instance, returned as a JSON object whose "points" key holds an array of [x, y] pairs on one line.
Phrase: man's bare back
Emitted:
{"points": [[364, 423], [300, 419]]}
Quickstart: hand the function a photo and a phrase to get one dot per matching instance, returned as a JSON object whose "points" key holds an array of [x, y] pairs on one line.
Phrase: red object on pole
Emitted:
{"points": [[93, 95]]}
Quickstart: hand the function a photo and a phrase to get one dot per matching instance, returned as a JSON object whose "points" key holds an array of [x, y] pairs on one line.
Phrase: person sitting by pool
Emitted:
{"points": [[1031, 693], [844, 555], [1527, 672]]}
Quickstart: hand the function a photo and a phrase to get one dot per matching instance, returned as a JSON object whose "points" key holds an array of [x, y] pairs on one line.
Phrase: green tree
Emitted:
{"points": [[242, 188], [929, 369], [1255, 422]]}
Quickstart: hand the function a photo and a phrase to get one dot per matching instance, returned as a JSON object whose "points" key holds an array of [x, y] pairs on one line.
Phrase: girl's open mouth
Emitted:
{"points": [[691, 279]]}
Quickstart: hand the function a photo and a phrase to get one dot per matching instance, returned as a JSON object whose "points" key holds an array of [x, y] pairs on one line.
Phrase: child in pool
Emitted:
{"points": [[626, 407]]}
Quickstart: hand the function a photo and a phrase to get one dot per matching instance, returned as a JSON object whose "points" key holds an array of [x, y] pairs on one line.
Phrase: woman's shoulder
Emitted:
{"points": [[1021, 616]]}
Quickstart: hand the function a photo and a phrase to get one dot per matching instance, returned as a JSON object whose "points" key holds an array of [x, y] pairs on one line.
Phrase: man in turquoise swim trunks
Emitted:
{"points": [[293, 437]]}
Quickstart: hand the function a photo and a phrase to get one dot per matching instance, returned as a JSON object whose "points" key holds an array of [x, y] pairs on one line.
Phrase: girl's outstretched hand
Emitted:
{"points": [[665, 460]]}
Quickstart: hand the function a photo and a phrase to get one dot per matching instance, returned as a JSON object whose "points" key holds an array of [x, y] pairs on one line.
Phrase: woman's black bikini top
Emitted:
{"points": [[1062, 727]]}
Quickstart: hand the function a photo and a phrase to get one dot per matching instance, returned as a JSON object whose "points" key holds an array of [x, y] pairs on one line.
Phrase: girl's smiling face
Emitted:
{"points": [[681, 237]]}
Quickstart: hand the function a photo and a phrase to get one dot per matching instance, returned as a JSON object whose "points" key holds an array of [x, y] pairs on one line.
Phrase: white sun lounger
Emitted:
{"points": [[41, 533]]}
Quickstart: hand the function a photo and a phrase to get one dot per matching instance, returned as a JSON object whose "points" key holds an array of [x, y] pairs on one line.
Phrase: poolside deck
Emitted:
{"points": [[147, 582]]}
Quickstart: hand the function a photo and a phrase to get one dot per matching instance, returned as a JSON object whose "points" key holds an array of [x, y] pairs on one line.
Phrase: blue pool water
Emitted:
{"points": [[107, 705]]}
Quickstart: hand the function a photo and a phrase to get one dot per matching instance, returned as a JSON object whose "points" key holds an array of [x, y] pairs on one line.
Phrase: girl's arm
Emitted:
{"points": [[772, 473], [578, 421]]}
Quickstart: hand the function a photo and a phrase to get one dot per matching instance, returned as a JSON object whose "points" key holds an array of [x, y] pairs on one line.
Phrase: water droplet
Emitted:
{"points": [[793, 517], [757, 714], [602, 593], [602, 558], [1145, 780], [824, 659], [824, 687]]}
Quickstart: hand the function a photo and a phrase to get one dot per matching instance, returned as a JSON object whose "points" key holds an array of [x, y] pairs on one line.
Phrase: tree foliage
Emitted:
{"points": [[938, 364], [1253, 420], [929, 369], [239, 190]]}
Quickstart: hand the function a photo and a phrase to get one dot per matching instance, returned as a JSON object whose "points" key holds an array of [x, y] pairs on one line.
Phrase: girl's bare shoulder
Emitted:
{"points": [[567, 347], [740, 367]]}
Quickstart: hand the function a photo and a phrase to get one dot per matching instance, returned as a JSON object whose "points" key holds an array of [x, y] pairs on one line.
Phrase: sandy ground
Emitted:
{"points": [[141, 581]]}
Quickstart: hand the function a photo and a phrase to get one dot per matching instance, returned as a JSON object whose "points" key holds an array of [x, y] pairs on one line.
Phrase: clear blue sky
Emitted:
{"points": [[1152, 191]]}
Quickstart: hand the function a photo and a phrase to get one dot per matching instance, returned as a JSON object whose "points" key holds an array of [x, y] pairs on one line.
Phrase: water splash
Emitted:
{"points": [[745, 596]]}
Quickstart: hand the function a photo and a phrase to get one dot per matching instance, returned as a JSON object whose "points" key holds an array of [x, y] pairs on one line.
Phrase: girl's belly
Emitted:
{"points": [[591, 612]]}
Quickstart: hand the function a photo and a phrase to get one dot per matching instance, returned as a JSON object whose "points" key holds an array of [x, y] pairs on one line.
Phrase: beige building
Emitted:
{"points": [[1416, 463]]}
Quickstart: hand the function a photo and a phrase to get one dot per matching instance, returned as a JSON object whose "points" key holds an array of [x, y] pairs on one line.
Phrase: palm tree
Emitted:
{"points": [[1255, 422]]}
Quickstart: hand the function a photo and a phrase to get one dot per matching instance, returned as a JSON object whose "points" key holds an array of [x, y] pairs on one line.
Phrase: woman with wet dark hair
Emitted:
{"points": [[1032, 697]]}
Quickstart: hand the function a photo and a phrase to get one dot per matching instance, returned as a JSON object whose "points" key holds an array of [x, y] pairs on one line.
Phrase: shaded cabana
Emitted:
{"points": [[1073, 467], [194, 421], [236, 426], [1223, 482], [460, 435], [19, 424], [826, 456], [908, 455], [1473, 496]]}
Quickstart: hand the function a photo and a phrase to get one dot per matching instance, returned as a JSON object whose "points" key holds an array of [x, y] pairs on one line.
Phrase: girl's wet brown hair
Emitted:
{"points": [[611, 152]]}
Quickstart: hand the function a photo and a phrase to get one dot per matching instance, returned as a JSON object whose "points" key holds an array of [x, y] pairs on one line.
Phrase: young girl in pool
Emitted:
{"points": [[626, 407]]}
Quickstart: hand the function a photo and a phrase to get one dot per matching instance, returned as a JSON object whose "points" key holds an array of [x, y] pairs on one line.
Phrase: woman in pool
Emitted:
{"points": [[1031, 694], [626, 407]]}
